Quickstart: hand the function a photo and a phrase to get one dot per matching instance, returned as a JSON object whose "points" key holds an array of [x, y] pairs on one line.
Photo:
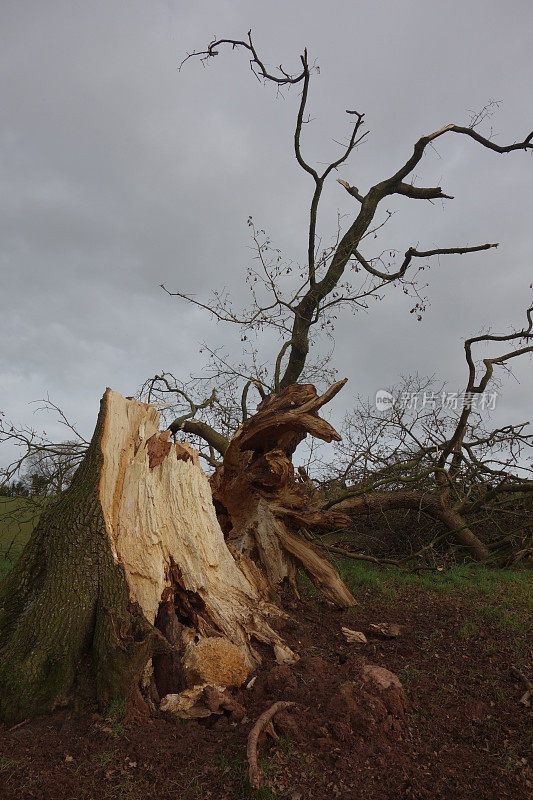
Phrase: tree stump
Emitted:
{"points": [[135, 533]]}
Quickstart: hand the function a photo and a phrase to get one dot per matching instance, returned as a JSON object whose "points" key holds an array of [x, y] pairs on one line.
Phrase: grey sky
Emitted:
{"points": [[119, 173]]}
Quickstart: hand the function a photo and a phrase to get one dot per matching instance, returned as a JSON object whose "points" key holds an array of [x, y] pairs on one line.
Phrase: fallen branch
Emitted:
{"points": [[357, 556], [266, 717], [525, 700]]}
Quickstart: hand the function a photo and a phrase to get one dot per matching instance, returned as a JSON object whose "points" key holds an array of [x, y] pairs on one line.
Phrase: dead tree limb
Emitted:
{"points": [[325, 283]]}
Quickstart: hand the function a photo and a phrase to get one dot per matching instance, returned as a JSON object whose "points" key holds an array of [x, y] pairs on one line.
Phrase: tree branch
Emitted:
{"points": [[413, 253]]}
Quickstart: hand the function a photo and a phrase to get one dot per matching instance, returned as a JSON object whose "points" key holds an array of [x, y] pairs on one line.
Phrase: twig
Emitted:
{"points": [[525, 700], [19, 725], [251, 747]]}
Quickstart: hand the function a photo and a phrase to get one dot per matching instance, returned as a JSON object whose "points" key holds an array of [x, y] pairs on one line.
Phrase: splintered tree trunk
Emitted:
{"points": [[261, 504], [129, 554]]}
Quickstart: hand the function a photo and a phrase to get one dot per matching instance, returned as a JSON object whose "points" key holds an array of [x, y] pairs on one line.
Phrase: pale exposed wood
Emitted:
{"points": [[159, 512], [354, 637]]}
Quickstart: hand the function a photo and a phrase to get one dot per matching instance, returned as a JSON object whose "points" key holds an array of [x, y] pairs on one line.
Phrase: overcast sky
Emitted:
{"points": [[119, 173]]}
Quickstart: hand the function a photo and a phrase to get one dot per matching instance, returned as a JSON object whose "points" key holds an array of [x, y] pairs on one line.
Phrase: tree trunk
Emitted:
{"points": [[263, 505], [130, 552]]}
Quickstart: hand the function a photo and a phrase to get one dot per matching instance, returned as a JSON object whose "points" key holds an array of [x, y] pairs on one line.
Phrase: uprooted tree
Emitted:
{"points": [[300, 303], [144, 574], [444, 463]]}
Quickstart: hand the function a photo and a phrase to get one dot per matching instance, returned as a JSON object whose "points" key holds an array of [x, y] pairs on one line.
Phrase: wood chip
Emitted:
{"points": [[354, 637], [390, 630]]}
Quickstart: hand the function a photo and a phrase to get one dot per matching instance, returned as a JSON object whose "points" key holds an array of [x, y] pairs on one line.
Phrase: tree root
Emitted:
{"points": [[262, 723], [525, 700]]}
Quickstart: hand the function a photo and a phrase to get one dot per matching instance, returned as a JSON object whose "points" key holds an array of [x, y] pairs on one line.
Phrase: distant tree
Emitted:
{"points": [[40, 464], [14, 489], [434, 453], [50, 472]]}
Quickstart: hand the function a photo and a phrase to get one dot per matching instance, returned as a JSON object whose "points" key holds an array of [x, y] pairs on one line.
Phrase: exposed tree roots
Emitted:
{"points": [[261, 503], [262, 723]]}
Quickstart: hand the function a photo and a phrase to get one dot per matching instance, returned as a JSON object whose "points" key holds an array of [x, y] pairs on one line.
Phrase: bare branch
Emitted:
{"points": [[256, 64], [413, 253]]}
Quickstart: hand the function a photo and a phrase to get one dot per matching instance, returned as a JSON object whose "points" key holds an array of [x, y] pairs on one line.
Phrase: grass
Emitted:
{"points": [[236, 768], [104, 759], [502, 596], [409, 675], [473, 580], [468, 630], [18, 517], [7, 764], [499, 597], [115, 717]]}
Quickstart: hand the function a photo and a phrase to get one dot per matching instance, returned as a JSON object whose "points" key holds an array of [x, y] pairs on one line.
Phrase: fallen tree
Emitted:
{"points": [[443, 463], [130, 564]]}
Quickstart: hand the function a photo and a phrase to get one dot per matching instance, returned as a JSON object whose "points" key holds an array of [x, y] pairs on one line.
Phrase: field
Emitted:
{"points": [[17, 519], [463, 735]]}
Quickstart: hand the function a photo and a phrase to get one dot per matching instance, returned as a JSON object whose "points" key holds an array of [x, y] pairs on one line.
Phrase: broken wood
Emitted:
{"points": [[387, 630], [262, 501], [136, 529], [163, 528], [354, 637], [254, 773]]}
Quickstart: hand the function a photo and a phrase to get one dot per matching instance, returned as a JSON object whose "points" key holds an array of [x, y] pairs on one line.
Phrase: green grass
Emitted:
{"points": [[501, 597], [468, 630], [104, 759], [235, 768], [115, 717], [18, 517], [475, 580]]}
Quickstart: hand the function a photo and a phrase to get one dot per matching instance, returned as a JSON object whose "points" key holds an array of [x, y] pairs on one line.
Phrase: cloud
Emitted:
{"points": [[119, 173]]}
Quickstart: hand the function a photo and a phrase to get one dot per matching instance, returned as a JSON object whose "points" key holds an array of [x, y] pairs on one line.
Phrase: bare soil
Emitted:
{"points": [[460, 734]]}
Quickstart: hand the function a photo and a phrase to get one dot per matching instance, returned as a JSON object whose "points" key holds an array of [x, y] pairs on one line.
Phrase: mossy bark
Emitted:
{"points": [[67, 597]]}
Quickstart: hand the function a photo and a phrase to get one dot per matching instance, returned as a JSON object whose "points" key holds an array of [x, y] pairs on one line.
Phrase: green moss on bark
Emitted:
{"points": [[65, 597]]}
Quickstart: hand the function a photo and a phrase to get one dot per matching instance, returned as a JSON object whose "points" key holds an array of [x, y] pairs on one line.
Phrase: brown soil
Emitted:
{"points": [[461, 734]]}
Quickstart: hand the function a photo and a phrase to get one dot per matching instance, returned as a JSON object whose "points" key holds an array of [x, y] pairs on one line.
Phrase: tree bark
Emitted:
{"points": [[136, 529]]}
